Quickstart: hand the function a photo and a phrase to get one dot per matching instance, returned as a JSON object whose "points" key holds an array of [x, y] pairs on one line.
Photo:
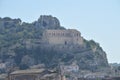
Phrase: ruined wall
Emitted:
{"points": [[65, 37]]}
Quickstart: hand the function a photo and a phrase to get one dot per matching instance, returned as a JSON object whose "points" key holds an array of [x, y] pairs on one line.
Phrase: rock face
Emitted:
{"points": [[45, 42], [48, 22]]}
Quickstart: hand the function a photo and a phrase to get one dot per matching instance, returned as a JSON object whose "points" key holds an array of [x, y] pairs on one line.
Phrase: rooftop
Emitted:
{"points": [[28, 71]]}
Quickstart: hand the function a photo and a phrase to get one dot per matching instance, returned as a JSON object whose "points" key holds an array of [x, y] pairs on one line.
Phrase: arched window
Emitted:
{"points": [[63, 34], [78, 34], [65, 42]]}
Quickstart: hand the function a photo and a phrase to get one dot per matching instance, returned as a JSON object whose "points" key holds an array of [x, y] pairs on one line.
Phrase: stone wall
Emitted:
{"points": [[64, 37]]}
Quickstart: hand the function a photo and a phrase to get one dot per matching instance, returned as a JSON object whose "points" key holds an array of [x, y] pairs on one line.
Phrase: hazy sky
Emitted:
{"points": [[95, 19]]}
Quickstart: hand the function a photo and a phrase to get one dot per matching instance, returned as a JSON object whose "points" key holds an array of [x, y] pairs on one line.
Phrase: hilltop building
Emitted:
{"points": [[63, 37]]}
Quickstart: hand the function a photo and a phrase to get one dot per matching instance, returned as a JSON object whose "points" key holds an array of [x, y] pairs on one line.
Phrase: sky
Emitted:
{"points": [[95, 19]]}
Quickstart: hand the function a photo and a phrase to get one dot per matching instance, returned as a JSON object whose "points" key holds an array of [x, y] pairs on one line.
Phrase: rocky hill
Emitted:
{"points": [[22, 47]]}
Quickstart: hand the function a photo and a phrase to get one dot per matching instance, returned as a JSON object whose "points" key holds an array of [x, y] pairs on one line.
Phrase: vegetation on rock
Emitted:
{"points": [[19, 46]]}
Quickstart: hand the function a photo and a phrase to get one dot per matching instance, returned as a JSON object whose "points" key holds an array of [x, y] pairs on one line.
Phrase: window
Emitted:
{"points": [[78, 34], [65, 42]]}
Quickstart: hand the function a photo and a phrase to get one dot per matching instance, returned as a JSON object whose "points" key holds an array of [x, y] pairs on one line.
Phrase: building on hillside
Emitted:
{"points": [[2, 65], [34, 74], [65, 37], [70, 68]]}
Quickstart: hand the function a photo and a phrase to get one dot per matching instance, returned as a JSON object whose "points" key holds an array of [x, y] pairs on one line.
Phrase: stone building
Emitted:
{"points": [[71, 68], [34, 74], [64, 37]]}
